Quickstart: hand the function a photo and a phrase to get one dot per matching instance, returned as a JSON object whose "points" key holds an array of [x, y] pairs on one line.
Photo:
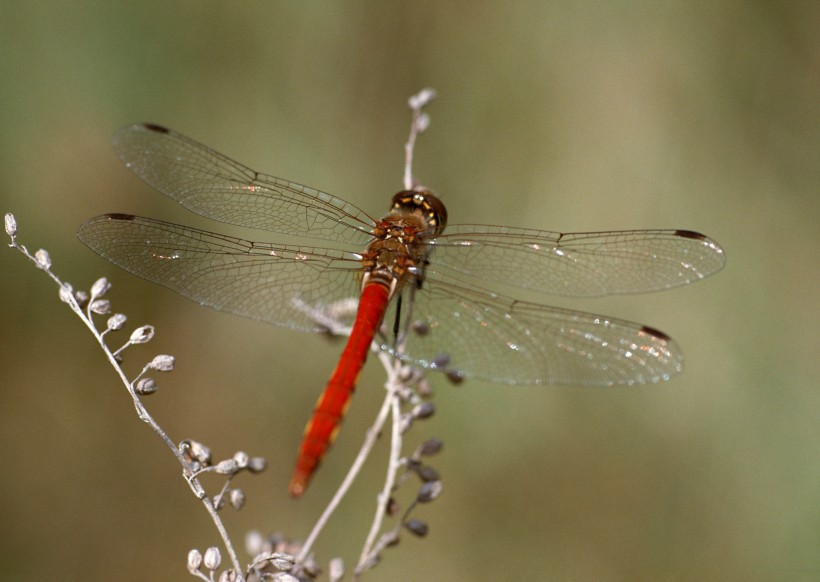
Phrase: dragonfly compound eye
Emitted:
{"points": [[425, 203]]}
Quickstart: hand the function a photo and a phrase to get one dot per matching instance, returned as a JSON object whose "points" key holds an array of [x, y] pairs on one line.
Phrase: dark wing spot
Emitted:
{"points": [[655, 332], [690, 234], [117, 216], [157, 128]]}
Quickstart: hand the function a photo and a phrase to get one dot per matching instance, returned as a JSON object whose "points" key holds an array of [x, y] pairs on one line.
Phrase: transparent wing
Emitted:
{"points": [[214, 186], [289, 286], [578, 264], [482, 335]]}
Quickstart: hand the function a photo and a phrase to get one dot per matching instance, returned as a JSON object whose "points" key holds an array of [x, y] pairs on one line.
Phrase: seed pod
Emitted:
{"points": [[100, 287], [142, 334], [162, 363], [430, 447], [194, 560], [212, 558], [43, 259], [11, 225], [417, 527], [429, 491], [145, 386]]}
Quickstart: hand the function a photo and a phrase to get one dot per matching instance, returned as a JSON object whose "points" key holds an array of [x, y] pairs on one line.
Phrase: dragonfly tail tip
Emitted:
{"points": [[297, 486]]}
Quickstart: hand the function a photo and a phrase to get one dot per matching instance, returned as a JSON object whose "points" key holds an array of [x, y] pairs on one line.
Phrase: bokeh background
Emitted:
{"points": [[557, 115]]}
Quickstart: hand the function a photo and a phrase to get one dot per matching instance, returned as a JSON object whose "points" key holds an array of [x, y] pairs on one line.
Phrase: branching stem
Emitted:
{"points": [[86, 317]]}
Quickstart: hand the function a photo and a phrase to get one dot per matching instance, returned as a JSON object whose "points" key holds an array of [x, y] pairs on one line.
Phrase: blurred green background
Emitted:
{"points": [[554, 115]]}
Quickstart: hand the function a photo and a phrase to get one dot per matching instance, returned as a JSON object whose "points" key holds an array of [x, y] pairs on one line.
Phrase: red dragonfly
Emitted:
{"points": [[440, 294]]}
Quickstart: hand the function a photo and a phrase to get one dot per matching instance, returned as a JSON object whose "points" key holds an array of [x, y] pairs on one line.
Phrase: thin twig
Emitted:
{"points": [[393, 465], [41, 260], [418, 124], [370, 440]]}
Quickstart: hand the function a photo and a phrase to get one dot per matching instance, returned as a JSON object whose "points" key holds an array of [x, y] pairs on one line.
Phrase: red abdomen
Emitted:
{"points": [[332, 404]]}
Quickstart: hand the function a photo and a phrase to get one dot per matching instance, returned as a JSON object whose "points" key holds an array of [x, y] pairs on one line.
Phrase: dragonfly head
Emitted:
{"points": [[422, 202]]}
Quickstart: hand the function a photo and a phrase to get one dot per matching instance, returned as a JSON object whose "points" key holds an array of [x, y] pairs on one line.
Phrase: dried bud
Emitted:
{"points": [[145, 386], [200, 452], [430, 447], [162, 363], [81, 297], [194, 561], [422, 98], [420, 327], [195, 451], [455, 377], [101, 306], [440, 360], [282, 561], [116, 321], [11, 225], [423, 388], [254, 543], [241, 459], [43, 259], [417, 527], [229, 575], [100, 287], [257, 464], [142, 334], [392, 506], [237, 498], [427, 474], [212, 558], [336, 571], [424, 410], [226, 467], [408, 374], [66, 292], [311, 567], [423, 122], [429, 491]]}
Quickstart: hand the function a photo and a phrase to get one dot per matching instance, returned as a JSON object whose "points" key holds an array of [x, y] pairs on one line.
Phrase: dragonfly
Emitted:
{"points": [[435, 296]]}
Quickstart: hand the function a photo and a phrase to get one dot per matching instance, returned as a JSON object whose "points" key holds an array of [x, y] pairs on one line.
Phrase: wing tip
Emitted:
{"points": [[711, 243]]}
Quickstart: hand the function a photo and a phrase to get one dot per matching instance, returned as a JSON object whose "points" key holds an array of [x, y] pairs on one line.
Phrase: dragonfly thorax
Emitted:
{"points": [[399, 244], [401, 238]]}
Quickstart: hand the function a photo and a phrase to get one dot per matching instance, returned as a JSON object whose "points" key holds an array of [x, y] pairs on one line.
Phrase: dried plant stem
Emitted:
{"points": [[194, 457], [394, 463], [419, 123], [67, 295], [391, 401]]}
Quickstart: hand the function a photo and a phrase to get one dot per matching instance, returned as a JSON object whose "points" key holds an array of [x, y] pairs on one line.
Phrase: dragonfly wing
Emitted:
{"points": [[576, 264], [489, 337], [292, 286], [214, 186]]}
